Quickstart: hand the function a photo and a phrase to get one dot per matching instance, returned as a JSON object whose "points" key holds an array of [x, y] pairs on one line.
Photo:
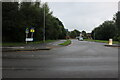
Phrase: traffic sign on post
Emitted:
{"points": [[29, 39], [32, 30], [27, 30]]}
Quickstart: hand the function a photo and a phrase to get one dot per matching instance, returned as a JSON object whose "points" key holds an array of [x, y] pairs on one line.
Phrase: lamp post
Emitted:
{"points": [[94, 35], [44, 25]]}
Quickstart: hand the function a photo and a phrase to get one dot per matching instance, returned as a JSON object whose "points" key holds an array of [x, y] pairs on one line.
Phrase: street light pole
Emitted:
{"points": [[94, 35], [44, 26]]}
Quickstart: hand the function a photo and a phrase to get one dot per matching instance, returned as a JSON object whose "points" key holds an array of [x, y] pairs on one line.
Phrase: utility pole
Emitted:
{"points": [[44, 26], [94, 35]]}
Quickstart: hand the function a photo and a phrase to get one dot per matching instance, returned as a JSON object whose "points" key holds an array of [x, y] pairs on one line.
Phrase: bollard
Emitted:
{"points": [[110, 41]]}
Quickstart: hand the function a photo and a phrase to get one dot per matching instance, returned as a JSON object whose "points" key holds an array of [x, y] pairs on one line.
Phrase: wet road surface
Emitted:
{"points": [[81, 59]]}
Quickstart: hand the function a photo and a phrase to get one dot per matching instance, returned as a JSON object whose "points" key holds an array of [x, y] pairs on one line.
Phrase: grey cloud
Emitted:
{"points": [[83, 15]]}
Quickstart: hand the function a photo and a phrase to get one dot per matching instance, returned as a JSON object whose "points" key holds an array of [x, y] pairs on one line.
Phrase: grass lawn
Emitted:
{"points": [[23, 43], [102, 41], [67, 42]]}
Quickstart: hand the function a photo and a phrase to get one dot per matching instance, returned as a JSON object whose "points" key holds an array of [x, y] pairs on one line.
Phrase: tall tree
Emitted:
{"points": [[9, 21], [117, 21], [105, 31], [18, 17]]}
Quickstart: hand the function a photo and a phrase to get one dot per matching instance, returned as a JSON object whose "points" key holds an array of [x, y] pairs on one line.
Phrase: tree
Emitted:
{"points": [[74, 33], [9, 21], [84, 34], [18, 17], [117, 22], [77, 32], [105, 31]]}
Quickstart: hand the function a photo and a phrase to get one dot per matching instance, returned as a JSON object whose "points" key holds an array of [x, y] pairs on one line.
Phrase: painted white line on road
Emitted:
{"points": [[15, 68], [11, 47]]}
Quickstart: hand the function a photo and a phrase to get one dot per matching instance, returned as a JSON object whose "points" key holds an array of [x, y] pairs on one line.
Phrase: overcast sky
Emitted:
{"points": [[83, 15]]}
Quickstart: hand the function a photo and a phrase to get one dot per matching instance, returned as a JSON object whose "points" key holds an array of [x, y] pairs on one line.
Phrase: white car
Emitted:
{"points": [[81, 38]]}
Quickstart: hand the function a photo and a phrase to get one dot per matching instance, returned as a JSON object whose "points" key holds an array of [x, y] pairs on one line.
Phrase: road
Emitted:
{"points": [[81, 59]]}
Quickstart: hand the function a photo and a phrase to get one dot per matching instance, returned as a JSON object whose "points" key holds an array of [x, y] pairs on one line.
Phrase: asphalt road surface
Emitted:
{"points": [[81, 59]]}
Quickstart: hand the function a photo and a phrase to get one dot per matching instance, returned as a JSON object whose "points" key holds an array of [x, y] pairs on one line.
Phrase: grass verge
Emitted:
{"points": [[102, 41], [66, 43], [36, 42], [23, 43]]}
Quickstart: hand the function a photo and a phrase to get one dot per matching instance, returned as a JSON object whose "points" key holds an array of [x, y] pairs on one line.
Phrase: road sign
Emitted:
{"points": [[29, 39], [32, 30], [27, 30]]}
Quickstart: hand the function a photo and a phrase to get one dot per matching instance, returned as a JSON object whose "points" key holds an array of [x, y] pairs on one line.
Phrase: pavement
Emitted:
{"points": [[33, 47], [80, 59], [113, 45]]}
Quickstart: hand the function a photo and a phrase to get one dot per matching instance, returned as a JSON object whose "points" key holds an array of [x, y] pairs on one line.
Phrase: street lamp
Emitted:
{"points": [[94, 35], [44, 25]]}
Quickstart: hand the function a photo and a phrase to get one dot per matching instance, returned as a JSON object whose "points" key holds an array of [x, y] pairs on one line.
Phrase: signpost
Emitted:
{"points": [[29, 39], [26, 31], [32, 30]]}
